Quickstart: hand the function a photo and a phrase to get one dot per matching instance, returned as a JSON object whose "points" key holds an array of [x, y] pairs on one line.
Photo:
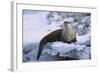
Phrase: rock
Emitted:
{"points": [[29, 47], [85, 53], [26, 59]]}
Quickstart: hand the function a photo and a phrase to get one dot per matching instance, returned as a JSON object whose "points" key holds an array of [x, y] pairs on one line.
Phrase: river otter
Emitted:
{"points": [[66, 34]]}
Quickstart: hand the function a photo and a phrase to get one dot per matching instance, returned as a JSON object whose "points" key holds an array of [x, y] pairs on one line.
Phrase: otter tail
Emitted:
{"points": [[41, 46], [39, 51]]}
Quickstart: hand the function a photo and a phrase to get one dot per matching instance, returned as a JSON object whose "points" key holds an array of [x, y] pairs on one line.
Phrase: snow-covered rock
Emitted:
{"points": [[84, 39], [62, 48], [85, 53]]}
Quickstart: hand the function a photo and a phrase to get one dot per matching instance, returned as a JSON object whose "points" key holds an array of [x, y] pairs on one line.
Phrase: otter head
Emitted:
{"points": [[66, 25], [68, 32]]}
